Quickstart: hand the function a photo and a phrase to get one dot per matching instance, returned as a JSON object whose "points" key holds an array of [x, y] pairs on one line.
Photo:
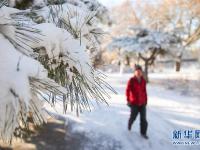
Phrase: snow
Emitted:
{"points": [[107, 125], [185, 73]]}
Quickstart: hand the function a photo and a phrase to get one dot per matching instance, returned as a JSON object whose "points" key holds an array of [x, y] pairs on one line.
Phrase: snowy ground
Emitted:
{"points": [[105, 128]]}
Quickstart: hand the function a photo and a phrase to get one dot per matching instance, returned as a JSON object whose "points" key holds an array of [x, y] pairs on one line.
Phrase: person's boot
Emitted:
{"points": [[145, 136], [129, 127]]}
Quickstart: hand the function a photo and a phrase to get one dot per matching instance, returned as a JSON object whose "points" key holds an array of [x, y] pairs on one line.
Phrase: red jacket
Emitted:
{"points": [[136, 91]]}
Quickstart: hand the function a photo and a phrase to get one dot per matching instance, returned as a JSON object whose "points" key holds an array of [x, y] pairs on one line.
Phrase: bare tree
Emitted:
{"points": [[178, 17]]}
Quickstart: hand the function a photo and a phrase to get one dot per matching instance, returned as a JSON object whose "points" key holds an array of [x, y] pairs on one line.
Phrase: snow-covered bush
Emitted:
{"points": [[44, 56]]}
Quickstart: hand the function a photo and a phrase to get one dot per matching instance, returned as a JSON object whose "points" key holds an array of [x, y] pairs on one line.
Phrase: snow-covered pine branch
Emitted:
{"points": [[44, 56]]}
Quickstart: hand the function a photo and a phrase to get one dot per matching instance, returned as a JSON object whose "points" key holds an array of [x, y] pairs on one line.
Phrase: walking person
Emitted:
{"points": [[137, 100]]}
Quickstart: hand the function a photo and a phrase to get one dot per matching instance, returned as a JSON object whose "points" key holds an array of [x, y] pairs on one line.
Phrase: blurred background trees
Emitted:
{"points": [[177, 18]]}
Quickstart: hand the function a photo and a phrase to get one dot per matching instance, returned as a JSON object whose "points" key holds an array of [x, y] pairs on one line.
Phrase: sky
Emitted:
{"points": [[111, 3]]}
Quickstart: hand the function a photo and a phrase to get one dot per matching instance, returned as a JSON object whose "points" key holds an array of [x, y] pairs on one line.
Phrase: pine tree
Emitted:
{"points": [[45, 56]]}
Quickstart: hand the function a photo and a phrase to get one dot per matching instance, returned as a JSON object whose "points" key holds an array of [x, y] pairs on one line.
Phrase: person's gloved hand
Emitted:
{"points": [[129, 104]]}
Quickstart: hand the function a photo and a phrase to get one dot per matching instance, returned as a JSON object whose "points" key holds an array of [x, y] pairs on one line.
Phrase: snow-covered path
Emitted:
{"points": [[106, 126]]}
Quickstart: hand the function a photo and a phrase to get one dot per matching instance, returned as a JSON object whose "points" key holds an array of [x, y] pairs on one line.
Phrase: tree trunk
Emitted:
{"points": [[121, 62], [146, 67], [147, 62], [178, 63], [127, 60], [178, 66], [121, 68]]}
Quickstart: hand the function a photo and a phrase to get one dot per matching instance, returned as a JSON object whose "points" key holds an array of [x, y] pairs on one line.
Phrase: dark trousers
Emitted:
{"points": [[143, 121]]}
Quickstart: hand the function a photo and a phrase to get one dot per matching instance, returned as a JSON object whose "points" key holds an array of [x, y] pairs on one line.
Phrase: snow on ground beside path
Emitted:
{"points": [[106, 126], [184, 82], [176, 75]]}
